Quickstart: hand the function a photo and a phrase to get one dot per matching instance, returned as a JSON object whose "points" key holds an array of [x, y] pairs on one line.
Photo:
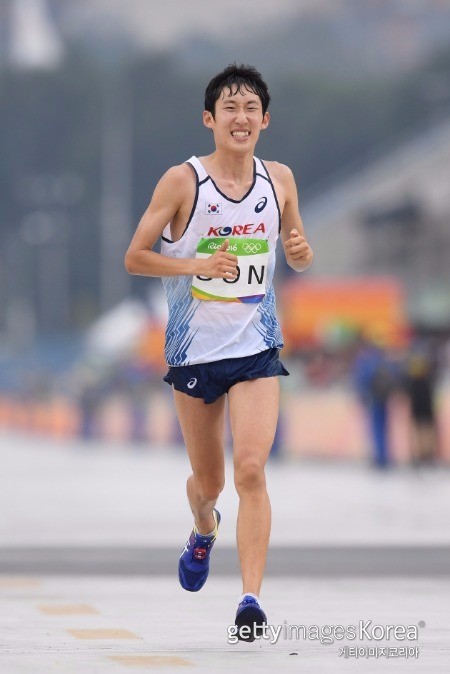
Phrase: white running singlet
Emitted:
{"points": [[213, 319]]}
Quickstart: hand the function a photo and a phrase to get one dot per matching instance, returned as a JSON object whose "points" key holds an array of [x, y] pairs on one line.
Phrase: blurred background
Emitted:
{"points": [[99, 98]]}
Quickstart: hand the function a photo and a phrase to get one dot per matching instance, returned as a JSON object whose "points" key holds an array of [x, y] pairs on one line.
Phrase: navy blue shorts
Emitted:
{"points": [[211, 380]]}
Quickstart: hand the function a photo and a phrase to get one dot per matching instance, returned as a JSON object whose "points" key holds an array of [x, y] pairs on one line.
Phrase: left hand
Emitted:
{"points": [[297, 250]]}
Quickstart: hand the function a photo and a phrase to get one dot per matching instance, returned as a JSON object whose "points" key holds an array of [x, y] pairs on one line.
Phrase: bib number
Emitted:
{"points": [[250, 284]]}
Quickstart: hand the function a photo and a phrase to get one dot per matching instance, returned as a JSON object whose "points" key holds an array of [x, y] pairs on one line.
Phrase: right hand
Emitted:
{"points": [[220, 264]]}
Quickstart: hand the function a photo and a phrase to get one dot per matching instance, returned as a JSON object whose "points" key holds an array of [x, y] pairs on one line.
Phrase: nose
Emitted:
{"points": [[241, 116]]}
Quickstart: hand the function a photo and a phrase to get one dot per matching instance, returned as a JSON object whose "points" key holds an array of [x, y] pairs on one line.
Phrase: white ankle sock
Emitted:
{"points": [[248, 594], [204, 535], [207, 535]]}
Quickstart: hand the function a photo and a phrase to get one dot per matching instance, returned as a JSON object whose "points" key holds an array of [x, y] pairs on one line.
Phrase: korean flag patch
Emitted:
{"points": [[213, 209]]}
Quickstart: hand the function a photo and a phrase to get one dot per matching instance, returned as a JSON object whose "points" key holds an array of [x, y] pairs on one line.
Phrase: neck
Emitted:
{"points": [[238, 167]]}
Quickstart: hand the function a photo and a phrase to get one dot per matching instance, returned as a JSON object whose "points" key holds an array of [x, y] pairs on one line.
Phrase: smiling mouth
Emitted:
{"points": [[240, 135]]}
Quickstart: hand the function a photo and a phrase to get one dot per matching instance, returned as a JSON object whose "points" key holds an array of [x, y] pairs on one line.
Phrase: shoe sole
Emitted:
{"points": [[250, 617]]}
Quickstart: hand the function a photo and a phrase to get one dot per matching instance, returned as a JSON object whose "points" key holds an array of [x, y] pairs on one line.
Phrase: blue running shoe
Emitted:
{"points": [[193, 567], [250, 615]]}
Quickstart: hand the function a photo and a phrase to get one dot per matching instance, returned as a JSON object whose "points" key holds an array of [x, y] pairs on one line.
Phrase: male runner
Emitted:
{"points": [[219, 217]]}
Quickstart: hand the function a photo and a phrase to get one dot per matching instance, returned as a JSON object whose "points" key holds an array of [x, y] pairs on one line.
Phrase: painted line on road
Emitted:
{"points": [[150, 660], [19, 582], [68, 609], [102, 634]]}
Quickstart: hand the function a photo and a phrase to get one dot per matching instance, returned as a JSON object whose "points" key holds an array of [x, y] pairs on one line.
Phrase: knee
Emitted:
{"points": [[249, 475]]}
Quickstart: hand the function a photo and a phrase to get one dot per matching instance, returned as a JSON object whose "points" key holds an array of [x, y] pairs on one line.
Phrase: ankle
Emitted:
{"points": [[205, 526]]}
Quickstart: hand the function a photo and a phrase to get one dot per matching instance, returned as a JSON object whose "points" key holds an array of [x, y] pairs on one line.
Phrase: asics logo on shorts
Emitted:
{"points": [[192, 382], [251, 247]]}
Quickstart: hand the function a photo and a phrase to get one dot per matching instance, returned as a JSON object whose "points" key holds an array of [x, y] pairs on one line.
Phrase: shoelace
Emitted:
{"points": [[201, 547], [202, 543]]}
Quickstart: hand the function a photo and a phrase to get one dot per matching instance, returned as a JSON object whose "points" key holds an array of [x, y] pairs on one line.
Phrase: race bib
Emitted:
{"points": [[251, 281]]}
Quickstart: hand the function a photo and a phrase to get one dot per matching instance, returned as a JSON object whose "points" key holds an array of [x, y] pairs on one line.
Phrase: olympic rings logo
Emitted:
{"points": [[251, 247]]}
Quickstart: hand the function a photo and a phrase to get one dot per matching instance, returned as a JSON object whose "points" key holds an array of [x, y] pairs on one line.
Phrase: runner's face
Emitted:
{"points": [[238, 120]]}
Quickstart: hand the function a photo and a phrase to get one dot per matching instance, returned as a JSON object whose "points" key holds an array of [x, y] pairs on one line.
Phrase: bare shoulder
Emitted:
{"points": [[179, 177], [176, 188], [284, 183], [279, 172]]}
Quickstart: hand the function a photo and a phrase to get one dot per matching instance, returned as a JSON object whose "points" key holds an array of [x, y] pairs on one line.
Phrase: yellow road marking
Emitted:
{"points": [[68, 609], [149, 660], [103, 634]]}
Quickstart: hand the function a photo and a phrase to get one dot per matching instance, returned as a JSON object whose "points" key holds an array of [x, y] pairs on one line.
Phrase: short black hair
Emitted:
{"points": [[235, 77]]}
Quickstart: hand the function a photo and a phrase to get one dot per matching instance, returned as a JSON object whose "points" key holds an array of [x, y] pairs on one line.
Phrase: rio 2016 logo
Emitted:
{"points": [[216, 246]]}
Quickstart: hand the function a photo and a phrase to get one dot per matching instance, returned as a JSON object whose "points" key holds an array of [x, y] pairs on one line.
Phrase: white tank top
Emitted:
{"points": [[213, 319]]}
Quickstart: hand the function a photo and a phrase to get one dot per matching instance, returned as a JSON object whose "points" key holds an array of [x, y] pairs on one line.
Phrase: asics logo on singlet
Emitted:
{"points": [[192, 382], [237, 230], [262, 203], [251, 248]]}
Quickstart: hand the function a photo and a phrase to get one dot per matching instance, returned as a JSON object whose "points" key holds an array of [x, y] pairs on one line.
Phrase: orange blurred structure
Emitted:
{"points": [[149, 348], [311, 310]]}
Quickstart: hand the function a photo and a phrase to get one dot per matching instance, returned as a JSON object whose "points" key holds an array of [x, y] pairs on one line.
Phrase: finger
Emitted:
{"points": [[298, 251], [303, 253], [293, 240], [297, 238], [296, 245], [224, 245]]}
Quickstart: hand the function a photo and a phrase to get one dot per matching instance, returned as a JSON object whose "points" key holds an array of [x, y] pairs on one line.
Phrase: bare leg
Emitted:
{"points": [[202, 427], [415, 442], [253, 415], [427, 440]]}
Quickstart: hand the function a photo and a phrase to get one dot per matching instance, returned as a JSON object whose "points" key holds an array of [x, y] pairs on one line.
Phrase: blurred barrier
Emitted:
{"points": [[322, 423]]}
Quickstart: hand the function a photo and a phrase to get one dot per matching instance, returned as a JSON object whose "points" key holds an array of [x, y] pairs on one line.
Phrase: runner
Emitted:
{"points": [[225, 213]]}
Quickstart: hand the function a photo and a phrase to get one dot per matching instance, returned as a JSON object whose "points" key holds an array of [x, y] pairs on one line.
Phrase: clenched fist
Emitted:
{"points": [[218, 265], [298, 252]]}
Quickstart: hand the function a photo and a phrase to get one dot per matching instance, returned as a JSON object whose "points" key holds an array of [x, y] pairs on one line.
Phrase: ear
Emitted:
{"points": [[208, 119], [266, 120]]}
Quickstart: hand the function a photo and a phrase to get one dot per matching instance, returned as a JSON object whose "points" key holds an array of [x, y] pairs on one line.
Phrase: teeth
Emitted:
{"points": [[240, 134]]}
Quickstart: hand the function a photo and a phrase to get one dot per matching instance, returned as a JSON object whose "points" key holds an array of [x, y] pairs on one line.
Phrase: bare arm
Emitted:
{"points": [[172, 193], [299, 254]]}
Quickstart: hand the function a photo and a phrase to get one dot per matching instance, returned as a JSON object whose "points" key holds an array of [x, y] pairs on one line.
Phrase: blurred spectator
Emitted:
{"points": [[419, 385], [375, 377], [90, 398]]}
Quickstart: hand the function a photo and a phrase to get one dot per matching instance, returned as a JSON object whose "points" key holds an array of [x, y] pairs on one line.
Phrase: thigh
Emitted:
{"points": [[202, 426], [253, 417]]}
